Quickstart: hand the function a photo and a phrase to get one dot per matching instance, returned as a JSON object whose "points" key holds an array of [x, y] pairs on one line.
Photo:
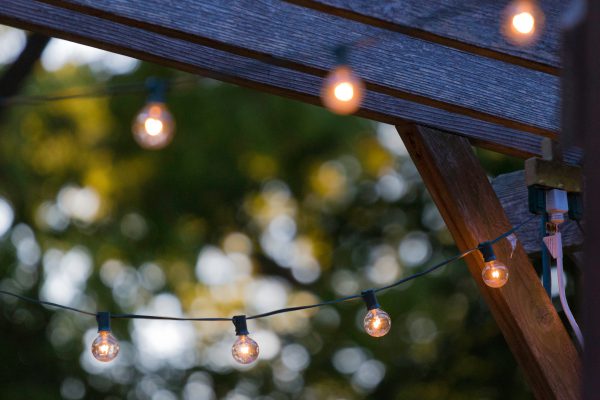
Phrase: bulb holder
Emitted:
{"points": [[370, 299], [487, 251], [341, 54], [103, 319], [157, 89], [239, 321]]}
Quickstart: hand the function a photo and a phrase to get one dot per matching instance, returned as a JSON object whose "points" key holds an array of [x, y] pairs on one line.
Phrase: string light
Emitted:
{"points": [[377, 322], [153, 127], [342, 90], [105, 347], [244, 349], [523, 21], [494, 273]]}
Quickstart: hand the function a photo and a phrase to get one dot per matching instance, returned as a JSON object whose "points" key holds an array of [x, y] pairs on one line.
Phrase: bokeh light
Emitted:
{"points": [[523, 22]]}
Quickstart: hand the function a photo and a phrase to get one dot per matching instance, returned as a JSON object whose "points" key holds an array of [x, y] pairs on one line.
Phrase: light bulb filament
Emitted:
{"points": [[344, 91], [153, 126], [376, 323], [524, 22]]}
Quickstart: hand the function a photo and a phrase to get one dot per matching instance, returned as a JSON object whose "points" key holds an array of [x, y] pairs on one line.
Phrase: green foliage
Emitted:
{"points": [[239, 160]]}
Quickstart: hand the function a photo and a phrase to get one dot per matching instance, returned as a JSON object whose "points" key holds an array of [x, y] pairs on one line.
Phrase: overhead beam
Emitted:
{"points": [[533, 330], [511, 190], [472, 27], [392, 63], [248, 72]]}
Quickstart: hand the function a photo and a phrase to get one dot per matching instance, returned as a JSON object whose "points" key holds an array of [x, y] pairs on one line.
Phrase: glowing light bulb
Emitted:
{"points": [[377, 322], [154, 126], [245, 350], [495, 274], [105, 347], [342, 91], [523, 21]]}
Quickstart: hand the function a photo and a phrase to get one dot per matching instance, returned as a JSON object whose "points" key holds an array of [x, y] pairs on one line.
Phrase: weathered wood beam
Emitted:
{"points": [[303, 39], [534, 332], [474, 27], [199, 59], [512, 193]]}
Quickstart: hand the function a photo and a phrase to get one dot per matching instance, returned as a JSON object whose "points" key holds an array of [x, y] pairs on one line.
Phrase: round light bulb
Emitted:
{"points": [[245, 350], [105, 347], [522, 22], [342, 91], [495, 274], [154, 126], [377, 322]]}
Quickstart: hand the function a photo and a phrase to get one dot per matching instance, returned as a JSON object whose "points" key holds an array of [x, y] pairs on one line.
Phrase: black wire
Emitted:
{"points": [[281, 310], [431, 269], [110, 90], [140, 316], [513, 230], [47, 303], [298, 308], [578, 222]]}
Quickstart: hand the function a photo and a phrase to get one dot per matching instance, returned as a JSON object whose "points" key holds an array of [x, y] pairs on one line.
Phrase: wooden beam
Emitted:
{"points": [[207, 61], [534, 332], [302, 39], [512, 193], [470, 27]]}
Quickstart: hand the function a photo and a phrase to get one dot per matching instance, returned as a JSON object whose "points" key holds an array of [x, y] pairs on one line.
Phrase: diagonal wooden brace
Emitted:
{"points": [[467, 202]]}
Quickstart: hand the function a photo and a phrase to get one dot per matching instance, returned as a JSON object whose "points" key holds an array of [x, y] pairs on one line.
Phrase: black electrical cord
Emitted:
{"points": [[47, 303], [100, 91], [578, 222], [281, 310]]}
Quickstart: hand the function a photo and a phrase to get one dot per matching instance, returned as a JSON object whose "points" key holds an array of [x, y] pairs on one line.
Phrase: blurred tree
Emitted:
{"points": [[14, 76], [258, 203]]}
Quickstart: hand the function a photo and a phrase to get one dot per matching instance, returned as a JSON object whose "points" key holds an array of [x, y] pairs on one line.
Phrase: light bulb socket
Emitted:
{"points": [[370, 299], [103, 319], [341, 54], [239, 321], [157, 89], [487, 252]]}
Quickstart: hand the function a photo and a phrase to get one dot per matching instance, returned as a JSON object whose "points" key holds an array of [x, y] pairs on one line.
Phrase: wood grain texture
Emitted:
{"points": [[392, 63], [474, 27], [248, 72], [534, 332], [512, 193]]}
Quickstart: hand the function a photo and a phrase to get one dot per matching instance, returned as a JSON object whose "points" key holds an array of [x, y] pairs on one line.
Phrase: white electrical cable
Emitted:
{"points": [[561, 289]]}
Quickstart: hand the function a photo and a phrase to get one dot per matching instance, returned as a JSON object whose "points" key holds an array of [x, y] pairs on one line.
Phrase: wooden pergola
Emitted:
{"points": [[440, 71]]}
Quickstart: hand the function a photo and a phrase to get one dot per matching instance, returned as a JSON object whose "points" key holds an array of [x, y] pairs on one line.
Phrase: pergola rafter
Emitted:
{"points": [[441, 64], [286, 49]]}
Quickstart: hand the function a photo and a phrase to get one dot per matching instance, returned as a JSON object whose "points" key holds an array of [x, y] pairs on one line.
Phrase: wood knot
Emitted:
{"points": [[544, 316]]}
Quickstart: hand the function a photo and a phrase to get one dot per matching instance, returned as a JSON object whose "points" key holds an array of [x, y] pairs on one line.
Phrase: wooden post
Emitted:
{"points": [[581, 125], [534, 332]]}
